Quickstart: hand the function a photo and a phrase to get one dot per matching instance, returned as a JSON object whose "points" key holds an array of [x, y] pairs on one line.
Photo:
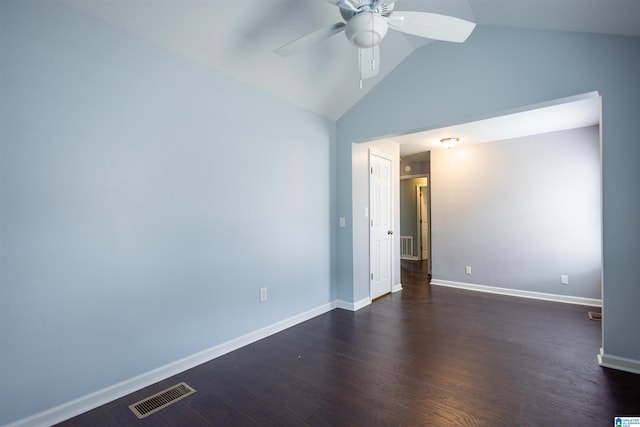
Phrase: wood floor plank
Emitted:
{"points": [[243, 387], [426, 356], [324, 418]]}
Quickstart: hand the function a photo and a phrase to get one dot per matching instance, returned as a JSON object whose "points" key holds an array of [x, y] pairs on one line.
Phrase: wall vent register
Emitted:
{"points": [[161, 400]]}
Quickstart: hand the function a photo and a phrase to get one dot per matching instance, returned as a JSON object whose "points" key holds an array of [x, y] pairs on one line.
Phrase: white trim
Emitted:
{"points": [[353, 306], [520, 293], [419, 188], [410, 258], [396, 288], [619, 363], [418, 222], [91, 401], [406, 177]]}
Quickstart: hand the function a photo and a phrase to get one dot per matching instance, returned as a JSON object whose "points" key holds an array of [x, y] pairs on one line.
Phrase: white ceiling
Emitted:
{"points": [[563, 114], [237, 37]]}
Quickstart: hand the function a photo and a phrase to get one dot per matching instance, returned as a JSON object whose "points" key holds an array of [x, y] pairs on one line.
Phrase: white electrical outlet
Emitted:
{"points": [[263, 294], [467, 269], [564, 279]]}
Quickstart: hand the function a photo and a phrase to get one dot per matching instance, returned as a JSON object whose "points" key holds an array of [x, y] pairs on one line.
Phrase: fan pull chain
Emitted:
{"points": [[360, 66], [373, 57]]}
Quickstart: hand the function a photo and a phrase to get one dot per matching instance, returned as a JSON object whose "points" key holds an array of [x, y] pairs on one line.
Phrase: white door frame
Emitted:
{"points": [[419, 188], [420, 243]]}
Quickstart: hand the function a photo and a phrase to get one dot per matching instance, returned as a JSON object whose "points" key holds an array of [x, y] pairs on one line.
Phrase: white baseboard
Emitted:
{"points": [[410, 258], [353, 306], [619, 363], [361, 304], [396, 288], [116, 391], [518, 293]]}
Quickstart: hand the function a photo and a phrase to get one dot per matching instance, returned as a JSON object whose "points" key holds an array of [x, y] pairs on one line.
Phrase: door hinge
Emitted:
{"points": [[371, 276], [371, 170]]}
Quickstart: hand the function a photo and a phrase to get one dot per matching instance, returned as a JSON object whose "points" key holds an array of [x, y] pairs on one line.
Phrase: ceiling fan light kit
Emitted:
{"points": [[366, 30], [367, 22]]}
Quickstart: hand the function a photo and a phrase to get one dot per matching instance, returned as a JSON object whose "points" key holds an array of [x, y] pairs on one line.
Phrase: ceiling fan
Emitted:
{"points": [[366, 23]]}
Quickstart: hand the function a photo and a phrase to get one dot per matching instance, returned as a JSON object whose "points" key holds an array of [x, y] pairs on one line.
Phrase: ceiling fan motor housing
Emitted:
{"points": [[383, 8], [366, 29]]}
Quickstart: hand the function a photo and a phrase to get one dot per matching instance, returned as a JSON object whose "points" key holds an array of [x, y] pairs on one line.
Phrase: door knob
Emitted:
{"points": [[390, 232]]}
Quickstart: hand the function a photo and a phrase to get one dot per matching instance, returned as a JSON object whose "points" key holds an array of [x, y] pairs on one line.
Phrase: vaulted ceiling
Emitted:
{"points": [[238, 37]]}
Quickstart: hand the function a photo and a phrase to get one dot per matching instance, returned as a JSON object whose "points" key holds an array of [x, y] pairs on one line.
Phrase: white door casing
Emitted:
{"points": [[381, 224], [424, 223]]}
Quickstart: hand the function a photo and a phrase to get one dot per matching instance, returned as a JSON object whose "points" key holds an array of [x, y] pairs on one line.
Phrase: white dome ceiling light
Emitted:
{"points": [[449, 142]]}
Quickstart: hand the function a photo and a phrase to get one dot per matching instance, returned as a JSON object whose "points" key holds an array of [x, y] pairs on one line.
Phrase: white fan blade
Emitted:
{"points": [[431, 26], [369, 60], [394, 20], [310, 39]]}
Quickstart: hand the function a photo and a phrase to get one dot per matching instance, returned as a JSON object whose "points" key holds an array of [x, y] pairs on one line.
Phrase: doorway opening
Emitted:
{"points": [[460, 266], [415, 215]]}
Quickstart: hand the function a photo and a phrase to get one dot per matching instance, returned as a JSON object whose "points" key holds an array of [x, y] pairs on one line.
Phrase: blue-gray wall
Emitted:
{"points": [[520, 212], [499, 70], [144, 201]]}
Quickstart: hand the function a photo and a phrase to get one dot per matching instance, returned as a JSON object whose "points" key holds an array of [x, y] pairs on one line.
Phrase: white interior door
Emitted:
{"points": [[381, 224], [424, 223]]}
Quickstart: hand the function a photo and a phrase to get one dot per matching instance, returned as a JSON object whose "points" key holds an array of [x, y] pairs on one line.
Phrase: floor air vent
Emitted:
{"points": [[160, 400]]}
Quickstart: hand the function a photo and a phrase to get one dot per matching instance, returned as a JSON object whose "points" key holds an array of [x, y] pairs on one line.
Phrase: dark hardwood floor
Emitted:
{"points": [[428, 356]]}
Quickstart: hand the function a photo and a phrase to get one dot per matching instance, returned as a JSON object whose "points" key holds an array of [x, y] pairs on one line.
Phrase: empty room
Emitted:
{"points": [[207, 192]]}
